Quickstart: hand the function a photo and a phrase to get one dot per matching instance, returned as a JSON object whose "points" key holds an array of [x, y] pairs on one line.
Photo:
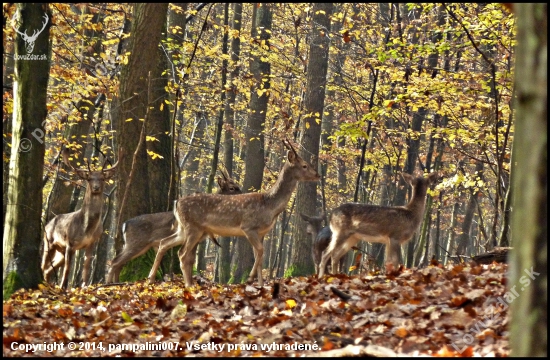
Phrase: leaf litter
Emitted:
{"points": [[433, 311]]}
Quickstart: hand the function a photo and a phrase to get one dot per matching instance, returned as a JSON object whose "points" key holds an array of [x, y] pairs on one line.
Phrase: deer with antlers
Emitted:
{"points": [[66, 233], [146, 231], [251, 215], [390, 225]]}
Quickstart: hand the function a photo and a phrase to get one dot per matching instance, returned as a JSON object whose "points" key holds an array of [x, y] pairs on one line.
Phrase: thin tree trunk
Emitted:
{"points": [[255, 158], [224, 264], [464, 241]]}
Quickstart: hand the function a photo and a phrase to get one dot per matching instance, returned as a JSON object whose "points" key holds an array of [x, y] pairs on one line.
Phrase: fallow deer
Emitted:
{"points": [[320, 238], [66, 233], [146, 231], [390, 225], [251, 215]]}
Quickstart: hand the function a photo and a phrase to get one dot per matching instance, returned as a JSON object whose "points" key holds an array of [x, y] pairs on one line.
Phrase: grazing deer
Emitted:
{"points": [[390, 225], [146, 231], [320, 238], [66, 233], [251, 215]]}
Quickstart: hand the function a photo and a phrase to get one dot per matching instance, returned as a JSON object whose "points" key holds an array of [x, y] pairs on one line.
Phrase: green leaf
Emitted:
{"points": [[126, 317]]}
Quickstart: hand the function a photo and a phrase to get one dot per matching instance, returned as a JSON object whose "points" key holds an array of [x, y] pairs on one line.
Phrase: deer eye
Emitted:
{"points": [[304, 166]]}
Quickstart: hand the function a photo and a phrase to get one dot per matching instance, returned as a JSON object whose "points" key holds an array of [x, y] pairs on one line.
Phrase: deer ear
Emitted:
{"points": [[291, 155], [220, 182], [107, 174], [433, 177], [407, 177], [83, 174], [304, 217]]}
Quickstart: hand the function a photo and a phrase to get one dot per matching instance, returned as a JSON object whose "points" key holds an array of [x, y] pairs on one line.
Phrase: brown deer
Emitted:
{"points": [[390, 225], [320, 238], [146, 231], [66, 233], [251, 215]]}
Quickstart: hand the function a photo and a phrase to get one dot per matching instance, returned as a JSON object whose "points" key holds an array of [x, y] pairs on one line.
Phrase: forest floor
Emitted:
{"points": [[457, 310]]}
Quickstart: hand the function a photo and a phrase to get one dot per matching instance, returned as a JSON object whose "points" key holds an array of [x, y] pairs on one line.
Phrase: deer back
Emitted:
{"points": [[375, 223], [234, 215]]}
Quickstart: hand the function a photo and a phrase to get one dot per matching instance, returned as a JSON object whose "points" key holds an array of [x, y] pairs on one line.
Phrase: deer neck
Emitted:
{"points": [[279, 194], [314, 237], [91, 209], [418, 201]]}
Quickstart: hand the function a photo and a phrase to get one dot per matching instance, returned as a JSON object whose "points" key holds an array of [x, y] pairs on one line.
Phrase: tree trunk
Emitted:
{"points": [[135, 95], [528, 262], [7, 125], [301, 262], [464, 241], [224, 267], [22, 240], [160, 169], [255, 158]]}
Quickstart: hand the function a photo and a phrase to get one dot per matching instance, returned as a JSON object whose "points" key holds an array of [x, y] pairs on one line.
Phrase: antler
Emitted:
{"points": [[289, 146], [120, 155], [224, 172], [65, 156]]}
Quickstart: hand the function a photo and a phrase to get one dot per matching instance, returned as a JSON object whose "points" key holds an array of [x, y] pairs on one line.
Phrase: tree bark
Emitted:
{"points": [[528, 263], [22, 240], [301, 262], [224, 263], [147, 28], [259, 96]]}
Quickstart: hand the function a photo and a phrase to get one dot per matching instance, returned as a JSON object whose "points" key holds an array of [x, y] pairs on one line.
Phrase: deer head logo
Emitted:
{"points": [[29, 40]]}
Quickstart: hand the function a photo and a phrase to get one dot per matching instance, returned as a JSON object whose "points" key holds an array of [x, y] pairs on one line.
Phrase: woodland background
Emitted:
{"points": [[367, 91]]}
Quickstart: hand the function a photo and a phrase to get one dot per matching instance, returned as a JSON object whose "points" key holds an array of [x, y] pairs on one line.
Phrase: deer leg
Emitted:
{"points": [[338, 246], [187, 260], [67, 267], [47, 261], [186, 263], [127, 254], [165, 244], [393, 247], [316, 253], [327, 254], [324, 259], [54, 260], [342, 261], [337, 260], [188, 252], [256, 242], [88, 256]]}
